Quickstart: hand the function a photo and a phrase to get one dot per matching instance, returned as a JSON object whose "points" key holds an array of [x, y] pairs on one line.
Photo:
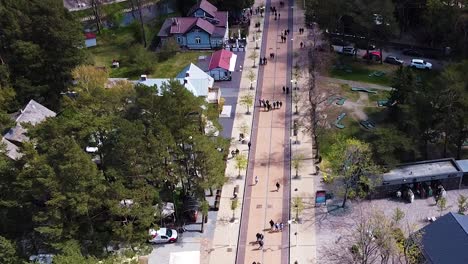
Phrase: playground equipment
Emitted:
{"points": [[338, 120], [360, 89]]}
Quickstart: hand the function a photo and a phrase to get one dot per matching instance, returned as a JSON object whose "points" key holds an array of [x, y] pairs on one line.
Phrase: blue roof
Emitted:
{"points": [[446, 240]]}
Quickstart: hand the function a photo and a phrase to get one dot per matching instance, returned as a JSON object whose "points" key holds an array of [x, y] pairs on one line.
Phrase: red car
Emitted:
{"points": [[373, 55]]}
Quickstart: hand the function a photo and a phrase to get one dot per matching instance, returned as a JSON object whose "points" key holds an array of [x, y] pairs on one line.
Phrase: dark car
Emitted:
{"points": [[412, 52], [393, 60]]}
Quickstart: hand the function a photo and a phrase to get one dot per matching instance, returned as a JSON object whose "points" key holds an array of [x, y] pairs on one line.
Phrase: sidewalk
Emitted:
{"points": [[224, 244], [303, 244]]}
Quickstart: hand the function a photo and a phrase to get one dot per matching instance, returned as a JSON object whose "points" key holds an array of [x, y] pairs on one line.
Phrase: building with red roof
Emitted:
{"points": [[204, 28], [220, 65], [90, 39]]}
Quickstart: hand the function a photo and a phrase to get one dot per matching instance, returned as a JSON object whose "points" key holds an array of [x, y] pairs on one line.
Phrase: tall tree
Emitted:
{"points": [[39, 42], [373, 20], [352, 168], [7, 252]]}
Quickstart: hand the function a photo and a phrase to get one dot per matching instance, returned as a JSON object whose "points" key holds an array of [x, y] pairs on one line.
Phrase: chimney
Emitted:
{"points": [[187, 74], [143, 77], [185, 81]]}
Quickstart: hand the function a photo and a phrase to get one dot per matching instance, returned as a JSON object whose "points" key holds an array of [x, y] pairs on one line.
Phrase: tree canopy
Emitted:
{"points": [[39, 46], [150, 144]]}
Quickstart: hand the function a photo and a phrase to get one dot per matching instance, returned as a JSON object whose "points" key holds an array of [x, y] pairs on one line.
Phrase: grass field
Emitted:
{"points": [[174, 65], [116, 44], [346, 92], [356, 70]]}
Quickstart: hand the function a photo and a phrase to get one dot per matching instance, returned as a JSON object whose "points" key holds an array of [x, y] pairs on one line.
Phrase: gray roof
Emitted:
{"points": [[463, 164], [419, 170], [12, 150], [446, 240], [33, 113]]}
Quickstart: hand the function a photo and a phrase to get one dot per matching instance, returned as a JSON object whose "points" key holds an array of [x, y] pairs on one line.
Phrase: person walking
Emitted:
{"points": [[279, 16], [281, 104], [302, 44], [272, 224], [287, 90], [284, 89], [256, 180], [281, 226], [277, 186], [274, 105], [260, 243], [249, 145]]}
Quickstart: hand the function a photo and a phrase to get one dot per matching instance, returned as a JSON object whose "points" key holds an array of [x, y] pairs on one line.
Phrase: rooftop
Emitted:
{"points": [[223, 59], [205, 6], [463, 164], [197, 81], [12, 150], [446, 240], [33, 113], [422, 169]]}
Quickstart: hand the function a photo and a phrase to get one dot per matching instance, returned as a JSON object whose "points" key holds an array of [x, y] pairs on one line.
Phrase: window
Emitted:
{"points": [[198, 40], [179, 40]]}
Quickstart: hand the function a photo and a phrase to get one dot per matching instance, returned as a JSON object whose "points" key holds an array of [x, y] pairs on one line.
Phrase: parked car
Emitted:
{"points": [[346, 50], [412, 52], [373, 55], [163, 235], [339, 42], [393, 60], [420, 64]]}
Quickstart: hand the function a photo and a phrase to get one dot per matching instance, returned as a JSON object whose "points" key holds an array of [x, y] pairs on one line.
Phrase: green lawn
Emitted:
{"points": [[357, 70], [174, 65], [346, 92], [116, 43]]}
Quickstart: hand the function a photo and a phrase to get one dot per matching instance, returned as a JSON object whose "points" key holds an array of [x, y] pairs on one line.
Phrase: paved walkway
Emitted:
{"points": [[270, 159], [225, 240], [303, 233], [357, 84]]}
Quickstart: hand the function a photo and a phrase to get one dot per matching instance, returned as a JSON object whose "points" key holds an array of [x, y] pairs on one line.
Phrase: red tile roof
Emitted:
{"points": [[90, 35], [220, 59]]}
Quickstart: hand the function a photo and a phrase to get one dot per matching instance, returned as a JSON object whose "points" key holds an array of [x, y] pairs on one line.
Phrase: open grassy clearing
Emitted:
{"points": [[171, 67], [348, 68], [118, 44]]}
